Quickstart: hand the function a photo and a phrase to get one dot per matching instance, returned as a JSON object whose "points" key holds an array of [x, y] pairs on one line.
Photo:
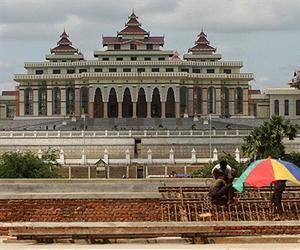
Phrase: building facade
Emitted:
{"points": [[133, 77], [8, 104]]}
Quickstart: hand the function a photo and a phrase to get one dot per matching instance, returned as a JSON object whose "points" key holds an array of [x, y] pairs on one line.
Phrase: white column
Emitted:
{"points": [[171, 156], [21, 102], [83, 157], [237, 155], [127, 156], [40, 154], [133, 109], [105, 156], [70, 172], [119, 109], [215, 155], [163, 110], [148, 109], [149, 152], [35, 102], [194, 159], [61, 157]]}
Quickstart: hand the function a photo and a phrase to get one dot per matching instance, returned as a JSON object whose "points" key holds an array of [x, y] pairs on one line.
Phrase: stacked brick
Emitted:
{"points": [[80, 210]]}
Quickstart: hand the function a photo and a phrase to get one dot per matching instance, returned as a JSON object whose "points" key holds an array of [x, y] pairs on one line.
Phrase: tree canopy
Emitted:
{"points": [[266, 140], [29, 165]]}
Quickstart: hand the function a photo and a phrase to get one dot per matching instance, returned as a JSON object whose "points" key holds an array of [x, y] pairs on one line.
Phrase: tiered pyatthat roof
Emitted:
{"points": [[176, 57], [202, 45], [133, 33], [64, 46], [133, 26], [295, 82]]}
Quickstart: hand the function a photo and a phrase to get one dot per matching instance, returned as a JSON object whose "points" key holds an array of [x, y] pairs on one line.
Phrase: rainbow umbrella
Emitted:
{"points": [[263, 172]]}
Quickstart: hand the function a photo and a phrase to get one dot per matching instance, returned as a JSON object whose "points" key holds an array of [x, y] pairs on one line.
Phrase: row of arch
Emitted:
{"points": [[127, 105]]}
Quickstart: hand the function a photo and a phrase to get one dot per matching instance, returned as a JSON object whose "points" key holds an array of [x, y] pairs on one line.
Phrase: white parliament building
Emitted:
{"points": [[133, 77]]}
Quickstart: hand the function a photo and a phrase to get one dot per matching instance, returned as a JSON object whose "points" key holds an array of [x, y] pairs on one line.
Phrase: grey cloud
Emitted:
{"points": [[173, 15]]}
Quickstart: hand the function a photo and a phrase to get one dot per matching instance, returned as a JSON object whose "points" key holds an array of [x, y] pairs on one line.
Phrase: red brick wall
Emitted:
{"points": [[58, 210]]}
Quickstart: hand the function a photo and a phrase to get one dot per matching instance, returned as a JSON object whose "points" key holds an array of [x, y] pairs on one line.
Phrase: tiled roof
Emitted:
{"points": [[9, 93], [118, 40], [202, 44], [133, 29]]}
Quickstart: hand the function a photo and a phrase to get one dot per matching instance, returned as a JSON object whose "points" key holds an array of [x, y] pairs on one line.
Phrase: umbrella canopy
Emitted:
{"points": [[263, 172]]}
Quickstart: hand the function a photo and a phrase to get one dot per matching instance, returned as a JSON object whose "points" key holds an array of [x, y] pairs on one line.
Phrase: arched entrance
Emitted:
{"points": [[170, 103], [238, 100], [156, 104], [84, 98], [42, 94], [70, 100], [225, 102], [183, 100], [198, 108], [56, 98], [112, 104], [127, 104], [211, 100], [98, 104], [28, 101], [141, 109]]}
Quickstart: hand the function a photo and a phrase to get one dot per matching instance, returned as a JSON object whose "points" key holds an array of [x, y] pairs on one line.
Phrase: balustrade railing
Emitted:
{"points": [[125, 133]]}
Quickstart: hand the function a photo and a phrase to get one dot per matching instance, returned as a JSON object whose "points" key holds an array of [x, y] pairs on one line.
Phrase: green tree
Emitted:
{"points": [[266, 140], [205, 172], [28, 165]]}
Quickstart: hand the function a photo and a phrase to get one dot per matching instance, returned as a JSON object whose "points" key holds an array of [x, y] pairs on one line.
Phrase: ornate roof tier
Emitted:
{"points": [[64, 46], [133, 33], [202, 45]]}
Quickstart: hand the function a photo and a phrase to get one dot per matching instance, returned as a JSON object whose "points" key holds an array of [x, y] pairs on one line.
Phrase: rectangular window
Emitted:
{"points": [[286, 107], [139, 70], [196, 71], [155, 69], [82, 70], [112, 70], [161, 59], [119, 58], [39, 72], [133, 58], [227, 71], [105, 58], [297, 107], [133, 46], [56, 71], [149, 46], [169, 70], [70, 71], [185, 70], [127, 70], [210, 71], [98, 70], [255, 109], [276, 107], [147, 58], [117, 47]]}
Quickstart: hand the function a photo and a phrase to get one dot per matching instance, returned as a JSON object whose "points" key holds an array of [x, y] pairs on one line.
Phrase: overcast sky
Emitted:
{"points": [[264, 34]]}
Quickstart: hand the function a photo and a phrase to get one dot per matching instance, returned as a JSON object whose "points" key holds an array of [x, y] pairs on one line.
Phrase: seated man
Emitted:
{"points": [[226, 169], [219, 191]]}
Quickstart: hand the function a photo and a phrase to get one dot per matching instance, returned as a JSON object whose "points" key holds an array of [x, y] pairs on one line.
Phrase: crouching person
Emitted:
{"points": [[220, 191]]}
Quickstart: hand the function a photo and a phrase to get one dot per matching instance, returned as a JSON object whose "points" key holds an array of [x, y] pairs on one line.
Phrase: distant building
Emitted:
{"points": [[8, 104], [277, 101], [133, 78]]}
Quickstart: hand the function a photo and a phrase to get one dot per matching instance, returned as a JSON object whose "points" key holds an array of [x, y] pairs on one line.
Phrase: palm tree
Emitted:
{"points": [[266, 140]]}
